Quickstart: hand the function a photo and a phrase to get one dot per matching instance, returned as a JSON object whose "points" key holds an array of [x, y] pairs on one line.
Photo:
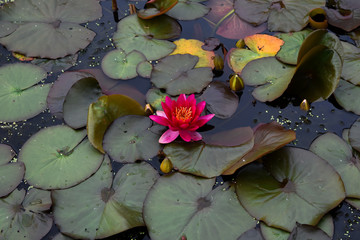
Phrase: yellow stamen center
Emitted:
{"points": [[183, 113]]}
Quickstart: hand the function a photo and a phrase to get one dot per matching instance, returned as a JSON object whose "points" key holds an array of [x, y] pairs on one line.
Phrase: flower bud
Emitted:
{"points": [[148, 110], [166, 166], [240, 43], [218, 62], [236, 83], [304, 105]]}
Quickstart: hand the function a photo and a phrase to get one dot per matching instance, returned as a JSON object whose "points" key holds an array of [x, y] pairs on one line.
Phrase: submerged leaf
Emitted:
{"points": [[188, 10], [156, 8]]}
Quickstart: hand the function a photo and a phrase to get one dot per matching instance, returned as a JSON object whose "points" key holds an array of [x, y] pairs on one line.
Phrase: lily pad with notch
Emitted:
{"points": [[194, 209], [22, 215], [338, 154], [102, 206], [104, 111], [293, 185], [21, 96], [11, 173], [78, 99], [59, 157], [49, 29], [131, 138], [147, 36], [188, 10], [347, 96], [176, 74]]}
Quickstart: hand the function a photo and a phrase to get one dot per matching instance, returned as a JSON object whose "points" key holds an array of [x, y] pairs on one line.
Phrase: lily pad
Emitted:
{"points": [[294, 185], [156, 8], [155, 97], [20, 95], [194, 210], [355, 202], [146, 36], [103, 112], [252, 234], [268, 137], [282, 16], [303, 231], [351, 63], [260, 45], [144, 69], [338, 154], [345, 16], [22, 217], [11, 174], [131, 138], [206, 160], [290, 49], [194, 47], [176, 74], [347, 95], [100, 206], [49, 29], [58, 157], [60, 88], [354, 135], [56, 65], [188, 10], [119, 65], [78, 99], [220, 100], [272, 75], [7, 28]]}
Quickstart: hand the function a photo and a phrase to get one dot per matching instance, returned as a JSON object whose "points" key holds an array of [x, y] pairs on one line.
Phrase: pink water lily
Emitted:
{"points": [[182, 117]]}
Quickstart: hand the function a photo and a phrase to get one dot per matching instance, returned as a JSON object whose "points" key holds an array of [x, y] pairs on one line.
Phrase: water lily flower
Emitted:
{"points": [[182, 117]]}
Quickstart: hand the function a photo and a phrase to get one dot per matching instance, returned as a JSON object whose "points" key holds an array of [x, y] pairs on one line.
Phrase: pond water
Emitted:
{"points": [[323, 116]]}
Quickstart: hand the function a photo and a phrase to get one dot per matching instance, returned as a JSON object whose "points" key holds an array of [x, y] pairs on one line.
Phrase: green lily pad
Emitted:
{"points": [[119, 65], [354, 135], [220, 100], [78, 99], [338, 154], [59, 157], [282, 16], [303, 231], [176, 74], [272, 75], [60, 88], [355, 202], [61, 236], [294, 185], [155, 97], [326, 224], [317, 75], [11, 174], [7, 28], [49, 29], [100, 206], [267, 138], [194, 209], [22, 217], [188, 10], [351, 63], [156, 8], [20, 95], [56, 65], [205, 160], [290, 49], [147, 36], [131, 138], [347, 95], [103, 112], [144, 69]]}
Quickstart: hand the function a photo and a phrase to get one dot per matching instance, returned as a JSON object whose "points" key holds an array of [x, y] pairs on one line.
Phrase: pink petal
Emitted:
{"points": [[167, 110], [160, 120], [161, 114], [181, 101], [195, 136], [203, 119], [168, 136], [185, 135], [191, 100], [199, 108], [168, 101]]}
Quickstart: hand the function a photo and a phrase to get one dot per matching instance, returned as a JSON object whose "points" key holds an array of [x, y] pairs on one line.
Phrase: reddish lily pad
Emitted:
{"points": [[78, 99], [347, 95], [220, 100], [156, 8], [103, 112], [49, 29], [59, 157], [146, 36], [338, 154], [12, 173], [206, 160], [188, 10], [268, 137], [230, 138], [131, 138], [294, 185], [176, 74], [102, 206], [22, 216], [21, 96], [194, 209], [346, 15]]}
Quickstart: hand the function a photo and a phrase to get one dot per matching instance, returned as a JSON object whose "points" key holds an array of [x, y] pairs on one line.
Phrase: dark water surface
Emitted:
{"points": [[323, 116]]}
